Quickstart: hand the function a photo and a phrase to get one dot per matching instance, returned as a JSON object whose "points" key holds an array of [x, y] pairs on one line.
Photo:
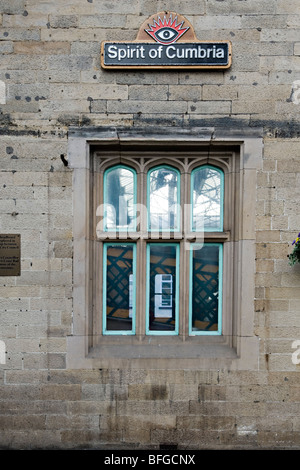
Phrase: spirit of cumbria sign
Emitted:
{"points": [[166, 41]]}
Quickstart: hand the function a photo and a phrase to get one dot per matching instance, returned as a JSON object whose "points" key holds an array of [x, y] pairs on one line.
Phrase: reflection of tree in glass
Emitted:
{"points": [[114, 193], [120, 195], [207, 196], [161, 178], [163, 198]]}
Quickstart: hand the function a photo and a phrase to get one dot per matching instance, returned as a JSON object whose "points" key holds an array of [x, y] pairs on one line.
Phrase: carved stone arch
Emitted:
{"points": [[223, 163], [168, 161], [107, 163], [194, 162], [218, 162]]}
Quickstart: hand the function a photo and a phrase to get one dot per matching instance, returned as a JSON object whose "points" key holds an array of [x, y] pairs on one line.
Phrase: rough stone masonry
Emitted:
{"points": [[51, 80]]}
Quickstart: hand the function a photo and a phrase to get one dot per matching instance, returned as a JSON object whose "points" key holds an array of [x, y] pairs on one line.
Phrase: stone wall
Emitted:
{"points": [[51, 79]]}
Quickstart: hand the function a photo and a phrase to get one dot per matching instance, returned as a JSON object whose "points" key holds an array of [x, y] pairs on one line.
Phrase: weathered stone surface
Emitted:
{"points": [[51, 80]]}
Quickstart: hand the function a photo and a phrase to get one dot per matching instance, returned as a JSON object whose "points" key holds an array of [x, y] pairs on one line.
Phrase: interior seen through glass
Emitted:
{"points": [[205, 291], [119, 287], [162, 289]]}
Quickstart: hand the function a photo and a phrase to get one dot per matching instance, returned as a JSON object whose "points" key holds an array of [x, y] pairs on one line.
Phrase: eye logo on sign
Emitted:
{"points": [[166, 40], [166, 31]]}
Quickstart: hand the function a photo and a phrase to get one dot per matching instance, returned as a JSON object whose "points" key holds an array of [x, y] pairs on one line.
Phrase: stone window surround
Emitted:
{"points": [[242, 351]]}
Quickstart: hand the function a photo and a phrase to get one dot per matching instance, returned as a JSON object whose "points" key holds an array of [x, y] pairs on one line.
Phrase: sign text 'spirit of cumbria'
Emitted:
{"points": [[147, 54]]}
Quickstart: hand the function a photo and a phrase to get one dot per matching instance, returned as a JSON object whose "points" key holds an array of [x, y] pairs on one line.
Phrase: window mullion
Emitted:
{"points": [[140, 288]]}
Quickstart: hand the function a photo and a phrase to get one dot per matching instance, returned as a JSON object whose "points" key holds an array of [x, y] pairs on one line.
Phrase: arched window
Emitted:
{"points": [[119, 198], [163, 199], [119, 265], [131, 288], [207, 199]]}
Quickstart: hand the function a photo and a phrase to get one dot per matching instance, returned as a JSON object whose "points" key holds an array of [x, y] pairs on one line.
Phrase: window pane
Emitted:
{"points": [[163, 190], [162, 288], [119, 288], [119, 198], [207, 199], [206, 292]]}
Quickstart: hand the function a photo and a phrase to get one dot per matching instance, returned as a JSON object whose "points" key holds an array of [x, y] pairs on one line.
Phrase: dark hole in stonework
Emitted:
{"points": [[63, 159], [168, 446]]}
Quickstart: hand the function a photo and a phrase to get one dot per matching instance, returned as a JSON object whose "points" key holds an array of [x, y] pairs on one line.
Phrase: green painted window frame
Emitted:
{"points": [[177, 229], [175, 332], [133, 329], [157, 332], [213, 167], [131, 227], [220, 296]]}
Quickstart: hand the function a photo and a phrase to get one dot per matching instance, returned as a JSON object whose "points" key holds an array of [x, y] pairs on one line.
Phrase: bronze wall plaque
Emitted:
{"points": [[10, 254]]}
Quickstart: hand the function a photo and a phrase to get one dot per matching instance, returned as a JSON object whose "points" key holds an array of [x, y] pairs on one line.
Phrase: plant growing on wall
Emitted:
{"points": [[294, 257]]}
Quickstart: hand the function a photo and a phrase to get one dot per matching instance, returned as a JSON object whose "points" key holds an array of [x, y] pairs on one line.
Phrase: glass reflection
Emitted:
{"points": [[163, 199], [207, 199], [162, 269], [119, 198], [205, 288], [119, 288]]}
